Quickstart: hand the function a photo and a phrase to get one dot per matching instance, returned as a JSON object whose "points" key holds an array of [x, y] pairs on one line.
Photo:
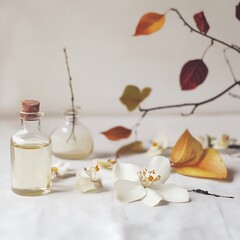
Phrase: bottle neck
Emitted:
{"points": [[70, 119], [31, 126]]}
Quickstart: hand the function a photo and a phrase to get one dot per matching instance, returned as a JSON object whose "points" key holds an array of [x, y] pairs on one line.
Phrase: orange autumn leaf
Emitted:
{"points": [[117, 133], [186, 150], [210, 165], [149, 23]]}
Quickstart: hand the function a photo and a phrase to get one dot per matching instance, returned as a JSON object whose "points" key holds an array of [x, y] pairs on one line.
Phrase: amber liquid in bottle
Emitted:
{"points": [[31, 155], [31, 166]]}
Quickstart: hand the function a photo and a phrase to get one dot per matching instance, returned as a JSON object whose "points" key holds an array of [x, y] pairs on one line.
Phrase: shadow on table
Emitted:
{"points": [[60, 189], [231, 173]]}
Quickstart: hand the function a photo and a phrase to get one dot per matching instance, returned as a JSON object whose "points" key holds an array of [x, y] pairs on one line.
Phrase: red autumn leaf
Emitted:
{"points": [[117, 133], [150, 23], [201, 22], [193, 74], [238, 11]]}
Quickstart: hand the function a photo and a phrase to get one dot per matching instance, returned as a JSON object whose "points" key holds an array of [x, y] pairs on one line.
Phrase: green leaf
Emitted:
{"points": [[131, 148], [132, 96]]}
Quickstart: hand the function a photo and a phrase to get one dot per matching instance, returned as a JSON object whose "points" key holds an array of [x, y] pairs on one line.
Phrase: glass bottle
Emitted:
{"points": [[72, 140], [31, 154]]}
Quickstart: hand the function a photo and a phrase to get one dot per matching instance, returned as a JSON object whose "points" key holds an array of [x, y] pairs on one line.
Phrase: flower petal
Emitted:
{"points": [[171, 192], [161, 140], [152, 198], [162, 167], [83, 174], [62, 167], [154, 151], [126, 171], [84, 184], [129, 191]]}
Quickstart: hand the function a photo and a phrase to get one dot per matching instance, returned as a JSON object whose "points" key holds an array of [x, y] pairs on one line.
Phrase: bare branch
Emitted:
{"points": [[213, 39], [194, 105], [205, 51], [136, 126], [72, 96], [234, 95], [229, 65]]}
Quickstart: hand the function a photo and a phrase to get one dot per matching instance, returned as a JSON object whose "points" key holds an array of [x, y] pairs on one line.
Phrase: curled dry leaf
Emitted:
{"points": [[210, 165], [193, 74], [149, 23], [131, 148], [117, 133], [132, 96], [201, 22], [187, 150], [238, 11], [190, 159]]}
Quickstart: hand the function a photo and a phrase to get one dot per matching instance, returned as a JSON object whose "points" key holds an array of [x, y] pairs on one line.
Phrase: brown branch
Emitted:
{"points": [[194, 105], [232, 73], [72, 97], [229, 65], [213, 39], [234, 95], [197, 104], [206, 50], [136, 126]]}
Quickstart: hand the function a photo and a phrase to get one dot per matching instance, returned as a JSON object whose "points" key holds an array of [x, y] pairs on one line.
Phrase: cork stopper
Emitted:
{"points": [[30, 109], [30, 106]]}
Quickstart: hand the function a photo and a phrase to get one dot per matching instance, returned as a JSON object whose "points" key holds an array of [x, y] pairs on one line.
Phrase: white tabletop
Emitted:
{"points": [[66, 213]]}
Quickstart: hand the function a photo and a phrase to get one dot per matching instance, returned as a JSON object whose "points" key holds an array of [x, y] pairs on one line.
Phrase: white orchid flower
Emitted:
{"points": [[158, 145], [223, 142], [147, 185], [87, 180], [60, 168]]}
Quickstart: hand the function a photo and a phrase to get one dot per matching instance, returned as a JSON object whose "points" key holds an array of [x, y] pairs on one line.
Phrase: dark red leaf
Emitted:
{"points": [[238, 11], [201, 22], [193, 74]]}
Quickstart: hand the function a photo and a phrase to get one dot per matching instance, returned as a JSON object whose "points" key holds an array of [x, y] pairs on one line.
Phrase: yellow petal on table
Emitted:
{"points": [[186, 150], [150, 23], [210, 166]]}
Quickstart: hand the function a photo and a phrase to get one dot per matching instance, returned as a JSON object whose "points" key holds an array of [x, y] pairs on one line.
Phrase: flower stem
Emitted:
{"points": [[207, 193]]}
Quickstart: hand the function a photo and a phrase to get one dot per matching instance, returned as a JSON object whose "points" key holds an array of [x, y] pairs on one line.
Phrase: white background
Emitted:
{"points": [[105, 57]]}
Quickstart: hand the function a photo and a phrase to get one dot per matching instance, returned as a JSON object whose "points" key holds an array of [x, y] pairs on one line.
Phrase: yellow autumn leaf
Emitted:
{"points": [[145, 93], [187, 150], [210, 165], [149, 23], [132, 96]]}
